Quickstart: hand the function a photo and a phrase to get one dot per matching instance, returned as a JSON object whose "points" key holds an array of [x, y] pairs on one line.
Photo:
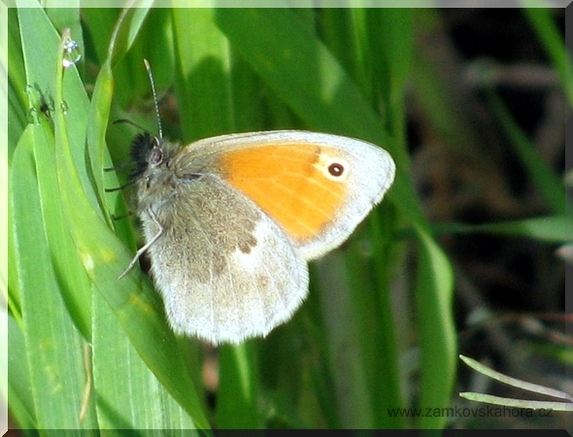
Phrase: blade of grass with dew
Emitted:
{"points": [[135, 304], [40, 48], [54, 347], [320, 92], [67, 18]]}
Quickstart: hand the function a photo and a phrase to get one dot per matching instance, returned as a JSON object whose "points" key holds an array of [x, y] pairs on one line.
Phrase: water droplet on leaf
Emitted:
{"points": [[72, 53]]}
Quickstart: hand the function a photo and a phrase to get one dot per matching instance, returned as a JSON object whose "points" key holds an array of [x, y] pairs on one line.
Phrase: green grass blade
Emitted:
{"points": [[53, 345], [548, 229], [69, 270], [41, 256], [434, 291], [318, 88], [549, 184], [22, 408], [552, 38], [17, 101], [129, 395], [354, 401], [134, 303], [202, 81], [526, 404], [238, 394], [372, 293], [514, 382]]}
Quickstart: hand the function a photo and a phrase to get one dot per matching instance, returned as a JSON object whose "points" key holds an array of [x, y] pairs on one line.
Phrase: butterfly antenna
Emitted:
{"points": [[155, 102]]}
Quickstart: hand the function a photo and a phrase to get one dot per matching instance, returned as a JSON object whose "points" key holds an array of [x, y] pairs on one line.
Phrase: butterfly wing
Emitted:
{"points": [[317, 187], [226, 271]]}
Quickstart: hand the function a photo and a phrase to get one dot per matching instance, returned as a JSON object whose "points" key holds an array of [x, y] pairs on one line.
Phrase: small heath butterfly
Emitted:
{"points": [[231, 221]]}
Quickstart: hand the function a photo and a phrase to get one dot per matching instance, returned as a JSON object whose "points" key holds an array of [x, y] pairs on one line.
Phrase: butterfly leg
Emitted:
{"points": [[145, 247]]}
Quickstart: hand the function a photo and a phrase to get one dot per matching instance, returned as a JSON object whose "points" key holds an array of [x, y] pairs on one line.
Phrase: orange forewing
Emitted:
{"points": [[286, 183]]}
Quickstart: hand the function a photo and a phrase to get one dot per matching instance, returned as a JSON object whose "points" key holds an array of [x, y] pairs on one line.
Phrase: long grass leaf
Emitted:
{"points": [[53, 345]]}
